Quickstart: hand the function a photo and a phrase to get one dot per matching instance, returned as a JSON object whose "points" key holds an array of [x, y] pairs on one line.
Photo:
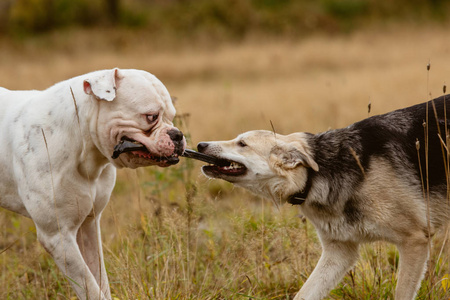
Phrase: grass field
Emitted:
{"points": [[172, 234]]}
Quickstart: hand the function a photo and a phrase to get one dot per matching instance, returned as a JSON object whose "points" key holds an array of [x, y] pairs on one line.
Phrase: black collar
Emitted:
{"points": [[300, 197]]}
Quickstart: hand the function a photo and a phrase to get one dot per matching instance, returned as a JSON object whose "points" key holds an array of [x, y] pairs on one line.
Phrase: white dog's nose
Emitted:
{"points": [[178, 140], [175, 135]]}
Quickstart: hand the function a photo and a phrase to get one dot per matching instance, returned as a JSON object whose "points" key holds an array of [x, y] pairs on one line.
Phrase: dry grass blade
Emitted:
{"points": [[444, 154], [53, 193], [273, 129], [15, 242], [355, 156], [76, 108]]}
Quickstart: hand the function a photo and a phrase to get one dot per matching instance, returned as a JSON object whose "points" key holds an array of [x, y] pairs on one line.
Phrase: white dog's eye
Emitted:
{"points": [[241, 143], [152, 118]]}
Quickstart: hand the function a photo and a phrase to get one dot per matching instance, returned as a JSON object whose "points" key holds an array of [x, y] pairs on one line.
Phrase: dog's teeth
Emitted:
{"points": [[232, 166], [235, 165]]}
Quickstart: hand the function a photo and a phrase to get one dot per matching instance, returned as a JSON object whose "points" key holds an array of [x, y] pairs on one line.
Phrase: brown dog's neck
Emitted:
{"points": [[299, 197]]}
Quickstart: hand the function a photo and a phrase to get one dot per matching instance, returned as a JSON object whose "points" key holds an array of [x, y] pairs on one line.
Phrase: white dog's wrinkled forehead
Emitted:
{"points": [[146, 91]]}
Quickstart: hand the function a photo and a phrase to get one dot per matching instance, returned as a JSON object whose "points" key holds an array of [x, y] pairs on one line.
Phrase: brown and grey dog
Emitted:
{"points": [[358, 184], [56, 166]]}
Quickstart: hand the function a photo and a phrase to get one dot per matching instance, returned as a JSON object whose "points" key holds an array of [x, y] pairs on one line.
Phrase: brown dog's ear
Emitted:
{"points": [[290, 157], [102, 85]]}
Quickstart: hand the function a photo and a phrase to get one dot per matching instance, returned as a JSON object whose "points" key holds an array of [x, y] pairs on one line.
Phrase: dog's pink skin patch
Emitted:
{"points": [[165, 145], [160, 145]]}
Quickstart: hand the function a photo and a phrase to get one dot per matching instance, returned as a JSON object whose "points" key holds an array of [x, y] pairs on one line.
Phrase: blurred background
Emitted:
{"points": [[233, 66]]}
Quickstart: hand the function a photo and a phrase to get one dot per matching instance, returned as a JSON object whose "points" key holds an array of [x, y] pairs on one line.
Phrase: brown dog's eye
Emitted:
{"points": [[242, 144], [152, 118]]}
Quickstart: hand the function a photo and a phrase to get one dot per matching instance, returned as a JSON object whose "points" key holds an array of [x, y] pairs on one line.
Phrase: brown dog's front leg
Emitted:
{"points": [[337, 258], [412, 266]]}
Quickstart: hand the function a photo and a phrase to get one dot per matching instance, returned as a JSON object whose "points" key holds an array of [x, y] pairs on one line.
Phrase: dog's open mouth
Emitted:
{"points": [[224, 167], [232, 169], [128, 145], [217, 166]]}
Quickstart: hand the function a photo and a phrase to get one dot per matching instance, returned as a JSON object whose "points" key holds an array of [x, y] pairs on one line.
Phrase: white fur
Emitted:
{"points": [[56, 166]]}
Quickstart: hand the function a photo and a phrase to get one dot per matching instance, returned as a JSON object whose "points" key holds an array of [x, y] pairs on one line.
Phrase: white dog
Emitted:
{"points": [[56, 166]]}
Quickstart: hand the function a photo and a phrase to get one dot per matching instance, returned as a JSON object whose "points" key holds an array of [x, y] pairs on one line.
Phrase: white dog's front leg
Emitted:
{"points": [[63, 247], [337, 258], [90, 243]]}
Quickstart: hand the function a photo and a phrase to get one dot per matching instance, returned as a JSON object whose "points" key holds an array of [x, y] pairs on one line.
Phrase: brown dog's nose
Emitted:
{"points": [[202, 146], [175, 135]]}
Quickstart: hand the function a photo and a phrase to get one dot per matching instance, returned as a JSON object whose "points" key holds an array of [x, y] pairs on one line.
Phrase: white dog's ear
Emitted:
{"points": [[289, 157], [102, 85]]}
